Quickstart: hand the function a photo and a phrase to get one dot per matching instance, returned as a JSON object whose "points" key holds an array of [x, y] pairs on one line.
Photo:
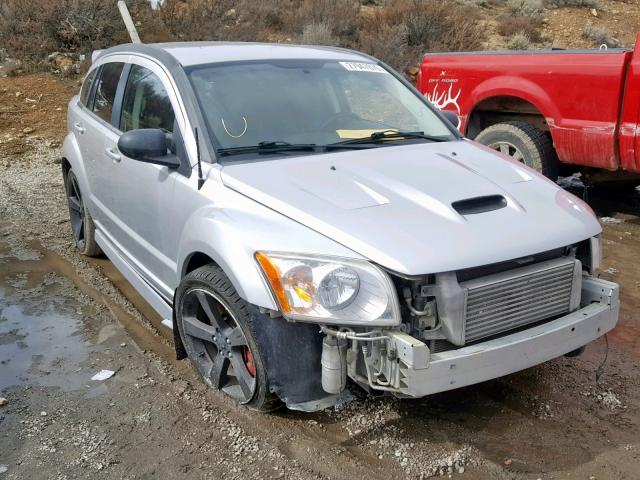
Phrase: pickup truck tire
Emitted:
{"points": [[82, 225], [525, 143], [216, 328]]}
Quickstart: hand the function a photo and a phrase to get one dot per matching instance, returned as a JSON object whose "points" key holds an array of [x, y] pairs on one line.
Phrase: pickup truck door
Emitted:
{"points": [[145, 192]]}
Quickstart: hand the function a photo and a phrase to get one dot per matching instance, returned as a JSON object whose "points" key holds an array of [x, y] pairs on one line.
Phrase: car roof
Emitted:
{"points": [[198, 53]]}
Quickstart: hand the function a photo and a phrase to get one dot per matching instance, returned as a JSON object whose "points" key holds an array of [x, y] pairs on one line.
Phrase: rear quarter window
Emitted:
{"points": [[106, 90], [86, 87]]}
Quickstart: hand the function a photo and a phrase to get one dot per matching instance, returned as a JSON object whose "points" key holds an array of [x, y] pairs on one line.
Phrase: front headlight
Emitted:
{"points": [[330, 290]]}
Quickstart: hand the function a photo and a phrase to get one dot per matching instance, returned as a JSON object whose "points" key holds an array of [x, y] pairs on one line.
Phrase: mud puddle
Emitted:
{"points": [[45, 349]]}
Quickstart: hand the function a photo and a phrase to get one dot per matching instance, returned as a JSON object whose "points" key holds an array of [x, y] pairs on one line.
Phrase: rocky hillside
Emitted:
{"points": [[57, 36]]}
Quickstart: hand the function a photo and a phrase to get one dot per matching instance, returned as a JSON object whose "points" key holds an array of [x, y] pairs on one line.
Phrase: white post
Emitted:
{"points": [[126, 17]]}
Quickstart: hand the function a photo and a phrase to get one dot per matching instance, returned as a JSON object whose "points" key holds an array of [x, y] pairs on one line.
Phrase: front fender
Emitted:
{"points": [[205, 233], [231, 230]]}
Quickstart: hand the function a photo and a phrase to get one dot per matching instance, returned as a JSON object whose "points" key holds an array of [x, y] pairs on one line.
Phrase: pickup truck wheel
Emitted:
{"points": [[524, 143], [216, 329], [82, 225]]}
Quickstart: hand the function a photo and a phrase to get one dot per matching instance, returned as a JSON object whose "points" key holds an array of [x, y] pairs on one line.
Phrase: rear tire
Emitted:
{"points": [[525, 143], [216, 329], [82, 226]]}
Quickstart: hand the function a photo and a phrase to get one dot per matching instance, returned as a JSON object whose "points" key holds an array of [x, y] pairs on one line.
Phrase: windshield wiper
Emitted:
{"points": [[385, 135], [276, 146]]}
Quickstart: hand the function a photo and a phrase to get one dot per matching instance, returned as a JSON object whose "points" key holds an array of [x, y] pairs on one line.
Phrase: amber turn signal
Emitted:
{"points": [[273, 275]]}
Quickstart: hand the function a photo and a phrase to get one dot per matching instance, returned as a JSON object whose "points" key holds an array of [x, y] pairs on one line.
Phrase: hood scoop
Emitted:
{"points": [[472, 206]]}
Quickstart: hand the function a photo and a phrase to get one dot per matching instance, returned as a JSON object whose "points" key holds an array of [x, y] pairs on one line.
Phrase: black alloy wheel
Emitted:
{"points": [[217, 345]]}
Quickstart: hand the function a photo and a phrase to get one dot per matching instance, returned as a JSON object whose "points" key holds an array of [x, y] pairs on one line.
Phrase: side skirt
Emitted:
{"points": [[148, 293]]}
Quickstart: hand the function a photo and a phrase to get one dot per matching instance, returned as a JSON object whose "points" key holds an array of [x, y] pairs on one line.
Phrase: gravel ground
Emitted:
{"points": [[64, 318]]}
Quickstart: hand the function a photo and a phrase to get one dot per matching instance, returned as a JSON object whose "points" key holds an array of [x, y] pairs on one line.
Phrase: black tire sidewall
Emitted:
{"points": [[535, 146], [81, 246], [89, 248], [213, 279], [530, 155]]}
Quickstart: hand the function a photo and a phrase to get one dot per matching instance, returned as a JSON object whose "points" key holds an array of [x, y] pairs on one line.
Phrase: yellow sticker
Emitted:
{"points": [[358, 133]]}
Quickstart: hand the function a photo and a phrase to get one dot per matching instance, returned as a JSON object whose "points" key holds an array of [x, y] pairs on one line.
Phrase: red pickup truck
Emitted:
{"points": [[545, 108]]}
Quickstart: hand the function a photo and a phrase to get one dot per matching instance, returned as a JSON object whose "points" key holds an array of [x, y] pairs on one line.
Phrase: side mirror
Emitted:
{"points": [[451, 117], [148, 145]]}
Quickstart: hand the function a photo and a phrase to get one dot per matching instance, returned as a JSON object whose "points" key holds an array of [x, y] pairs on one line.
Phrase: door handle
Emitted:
{"points": [[79, 128], [113, 154]]}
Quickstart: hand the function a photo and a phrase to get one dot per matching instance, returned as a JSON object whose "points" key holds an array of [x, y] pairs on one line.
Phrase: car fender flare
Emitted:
{"points": [[225, 246], [71, 153]]}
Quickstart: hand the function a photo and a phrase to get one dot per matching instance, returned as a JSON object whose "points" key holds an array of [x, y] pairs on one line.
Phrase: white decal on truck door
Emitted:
{"points": [[442, 99]]}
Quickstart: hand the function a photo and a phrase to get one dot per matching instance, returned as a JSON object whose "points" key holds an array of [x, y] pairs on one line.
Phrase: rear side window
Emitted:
{"points": [[106, 90], [86, 87], [146, 103]]}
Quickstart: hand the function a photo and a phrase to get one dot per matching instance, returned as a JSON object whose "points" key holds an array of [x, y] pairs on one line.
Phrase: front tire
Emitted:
{"points": [[82, 225], [524, 143], [216, 329]]}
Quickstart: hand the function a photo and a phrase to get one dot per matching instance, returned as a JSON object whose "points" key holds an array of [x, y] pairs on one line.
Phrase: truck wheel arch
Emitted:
{"points": [[509, 98], [503, 108]]}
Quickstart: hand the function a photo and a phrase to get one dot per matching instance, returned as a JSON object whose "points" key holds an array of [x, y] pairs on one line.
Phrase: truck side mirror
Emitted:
{"points": [[451, 117]]}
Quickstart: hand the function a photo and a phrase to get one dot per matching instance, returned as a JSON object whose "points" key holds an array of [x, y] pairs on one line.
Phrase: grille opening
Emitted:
{"points": [[472, 206], [505, 301]]}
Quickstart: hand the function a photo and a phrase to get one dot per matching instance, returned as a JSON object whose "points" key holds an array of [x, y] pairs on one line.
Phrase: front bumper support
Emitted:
{"points": [[520, 350]]}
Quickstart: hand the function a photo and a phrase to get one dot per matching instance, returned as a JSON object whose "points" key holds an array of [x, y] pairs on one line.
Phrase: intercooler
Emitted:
{"points": [[509, 300]]}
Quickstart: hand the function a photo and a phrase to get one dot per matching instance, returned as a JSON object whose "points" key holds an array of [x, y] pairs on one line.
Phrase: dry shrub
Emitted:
{"points": [[32, 29], [509, 26], [519, 41], [341, 16], [398, 31], [196, 19], [526, 8], [318, 34], [599, 35], [404, 30]]}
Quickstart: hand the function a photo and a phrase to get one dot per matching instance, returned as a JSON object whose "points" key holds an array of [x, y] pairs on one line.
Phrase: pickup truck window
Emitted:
{"points": [[146, 103], [310, 102], [106, 90]]}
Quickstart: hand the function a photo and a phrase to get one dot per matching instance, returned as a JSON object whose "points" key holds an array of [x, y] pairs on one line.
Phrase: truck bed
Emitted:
{"points": [[576, 95]]}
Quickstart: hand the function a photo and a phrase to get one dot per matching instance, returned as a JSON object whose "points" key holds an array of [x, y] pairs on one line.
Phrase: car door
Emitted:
{"points": [[80, 110], [144, 191], [98, 134]]}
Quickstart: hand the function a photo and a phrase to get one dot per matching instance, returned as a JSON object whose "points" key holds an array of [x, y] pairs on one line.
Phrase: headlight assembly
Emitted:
{"points": [[330, 290]]}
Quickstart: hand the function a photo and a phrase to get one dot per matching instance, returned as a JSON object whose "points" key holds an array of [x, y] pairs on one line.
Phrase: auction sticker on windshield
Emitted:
{"points": [[363, 67]]}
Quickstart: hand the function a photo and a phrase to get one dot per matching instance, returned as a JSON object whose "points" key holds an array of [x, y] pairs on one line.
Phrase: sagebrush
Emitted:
{"points": [[398, 33]]}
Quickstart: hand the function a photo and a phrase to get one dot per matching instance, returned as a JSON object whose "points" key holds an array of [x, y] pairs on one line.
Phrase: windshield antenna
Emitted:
{"points": [[200, 177]]}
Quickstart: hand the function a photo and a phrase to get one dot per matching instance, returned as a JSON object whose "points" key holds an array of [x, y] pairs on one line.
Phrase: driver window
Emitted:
{"points": [[146, 103]]}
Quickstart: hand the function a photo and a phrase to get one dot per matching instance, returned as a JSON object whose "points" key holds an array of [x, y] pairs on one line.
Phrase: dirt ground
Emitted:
{"points": [[64, 318]]}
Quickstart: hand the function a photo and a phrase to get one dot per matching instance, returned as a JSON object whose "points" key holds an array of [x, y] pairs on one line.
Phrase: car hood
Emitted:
{"points": [[395, 204]]}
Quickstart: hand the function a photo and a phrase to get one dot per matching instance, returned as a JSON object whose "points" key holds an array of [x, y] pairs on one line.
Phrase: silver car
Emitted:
{"points": [[306, 222]]}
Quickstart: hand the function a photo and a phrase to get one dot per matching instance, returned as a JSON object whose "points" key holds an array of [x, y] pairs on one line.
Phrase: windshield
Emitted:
{"points": [[307, 102]]}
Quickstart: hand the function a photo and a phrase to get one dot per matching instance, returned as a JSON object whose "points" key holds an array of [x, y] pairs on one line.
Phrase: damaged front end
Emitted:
{"points": [[453, 328], [464, 327]]}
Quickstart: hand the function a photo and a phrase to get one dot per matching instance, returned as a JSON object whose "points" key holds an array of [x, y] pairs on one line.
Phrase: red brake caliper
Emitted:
{"points": [[247, 356]]}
